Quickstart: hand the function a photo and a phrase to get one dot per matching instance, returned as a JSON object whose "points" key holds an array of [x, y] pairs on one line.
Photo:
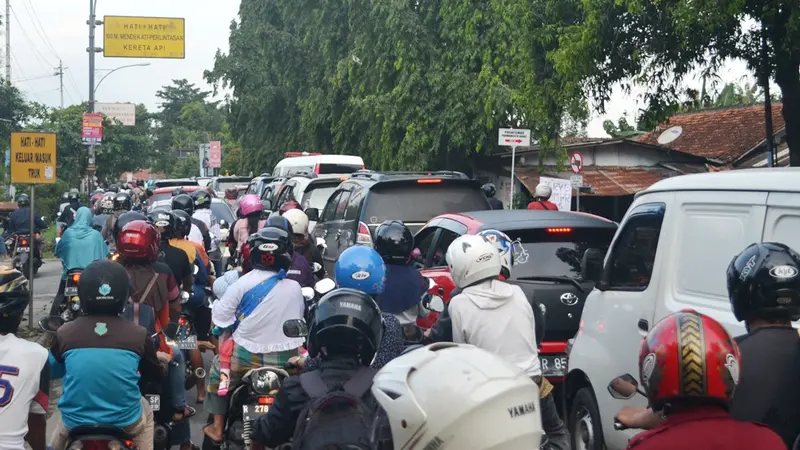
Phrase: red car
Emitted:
{"points": [[550, 276]]}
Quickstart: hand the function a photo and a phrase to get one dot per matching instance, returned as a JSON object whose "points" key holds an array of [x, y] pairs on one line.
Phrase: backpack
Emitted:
{"points": [[142, 313], [335, 418]]}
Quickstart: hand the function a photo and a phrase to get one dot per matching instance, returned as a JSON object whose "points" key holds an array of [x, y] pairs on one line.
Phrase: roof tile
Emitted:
{"points": [[605, 181], [720, 134]]}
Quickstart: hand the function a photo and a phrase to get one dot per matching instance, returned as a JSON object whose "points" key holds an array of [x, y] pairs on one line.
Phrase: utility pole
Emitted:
{"points": [[60, 72], [8, 41], [90, 170]]}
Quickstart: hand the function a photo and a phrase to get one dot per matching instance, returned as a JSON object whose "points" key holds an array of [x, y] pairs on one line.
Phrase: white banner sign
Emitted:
{"points": [[562, 192], [123, 112]]}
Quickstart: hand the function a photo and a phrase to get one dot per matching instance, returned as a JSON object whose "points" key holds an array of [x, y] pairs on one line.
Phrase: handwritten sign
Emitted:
{"points": [[562, 192], [33, 158]]}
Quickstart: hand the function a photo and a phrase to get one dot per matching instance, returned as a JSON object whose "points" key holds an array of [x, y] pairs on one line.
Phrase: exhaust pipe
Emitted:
{"points": [[200, 372]]}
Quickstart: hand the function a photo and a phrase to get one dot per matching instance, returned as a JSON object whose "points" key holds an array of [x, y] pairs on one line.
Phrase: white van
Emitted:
{"points": [[318, 163], [670, 252]]}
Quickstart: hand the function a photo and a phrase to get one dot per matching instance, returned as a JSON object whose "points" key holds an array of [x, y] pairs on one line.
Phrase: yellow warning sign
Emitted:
{"points": [[33, 158], [144, 37]]}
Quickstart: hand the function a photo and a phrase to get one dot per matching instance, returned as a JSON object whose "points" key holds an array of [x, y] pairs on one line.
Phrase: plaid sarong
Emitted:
{"points": [[242, 361]]}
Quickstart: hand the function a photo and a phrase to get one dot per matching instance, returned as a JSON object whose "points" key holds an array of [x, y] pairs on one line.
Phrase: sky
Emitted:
{"points": [[46, 31]]}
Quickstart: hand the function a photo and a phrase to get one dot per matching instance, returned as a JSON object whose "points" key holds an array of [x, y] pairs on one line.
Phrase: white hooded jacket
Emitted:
{"points": [[497, 317]]}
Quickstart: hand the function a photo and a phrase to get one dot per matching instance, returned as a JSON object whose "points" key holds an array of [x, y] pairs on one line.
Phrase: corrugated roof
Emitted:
{"points": [[721, 135], [605, 181]]}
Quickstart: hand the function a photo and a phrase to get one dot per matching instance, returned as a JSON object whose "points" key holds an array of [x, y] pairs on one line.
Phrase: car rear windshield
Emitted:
{"points": [[421, 202], [317, 197], [329, 168], [556, 253], [164, 196], [170, 183]]}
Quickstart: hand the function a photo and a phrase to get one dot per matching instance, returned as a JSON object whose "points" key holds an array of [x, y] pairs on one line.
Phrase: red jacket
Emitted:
{"points": [[544, 205], [707, 428]]}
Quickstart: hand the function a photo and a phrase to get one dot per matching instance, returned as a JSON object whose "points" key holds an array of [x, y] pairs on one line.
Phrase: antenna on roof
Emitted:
{"points": [[669, 135]]}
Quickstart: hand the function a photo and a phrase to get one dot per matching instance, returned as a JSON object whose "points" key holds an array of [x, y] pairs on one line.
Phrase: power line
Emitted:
{"points": [[19, 70], [71, 80], [38, 77], [36, 51], [40, 29]]}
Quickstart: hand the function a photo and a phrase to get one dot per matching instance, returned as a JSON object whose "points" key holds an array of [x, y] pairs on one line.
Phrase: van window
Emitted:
{"points": [[330, 207], [341, 207], [631, 264], [354, 204], [332, 168]]}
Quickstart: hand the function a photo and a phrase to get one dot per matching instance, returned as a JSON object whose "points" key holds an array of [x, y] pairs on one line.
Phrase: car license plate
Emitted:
{"points": [[253, 412], [553, 365], [190, 343], [23, 249], [155, 402], [71, 291]]}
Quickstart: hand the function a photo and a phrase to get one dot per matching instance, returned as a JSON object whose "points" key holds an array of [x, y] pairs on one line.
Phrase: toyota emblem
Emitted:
{"points": [[569, 299]]}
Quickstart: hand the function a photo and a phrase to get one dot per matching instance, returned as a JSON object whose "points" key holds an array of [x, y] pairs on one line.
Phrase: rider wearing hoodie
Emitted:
{"points": [[300, 269], [405, 287]]}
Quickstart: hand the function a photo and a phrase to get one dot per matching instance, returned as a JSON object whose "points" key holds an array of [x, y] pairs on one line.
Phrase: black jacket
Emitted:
{"points": [[495, 203], [277, 426], [19, 222]]}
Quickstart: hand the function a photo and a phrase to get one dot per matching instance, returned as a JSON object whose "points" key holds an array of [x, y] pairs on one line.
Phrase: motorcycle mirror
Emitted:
{"points": [[196, 269], [623, 387], [431, 283], [50, 324], [324, 286], [170, 330], [316, 267], [412, 334], [321, 243], [436, 304], [184, 297], [295, 328], [308, 293]]}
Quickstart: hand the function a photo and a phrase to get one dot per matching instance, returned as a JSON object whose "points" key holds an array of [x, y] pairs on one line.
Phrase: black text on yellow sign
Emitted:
{"points": [[33, 158]]}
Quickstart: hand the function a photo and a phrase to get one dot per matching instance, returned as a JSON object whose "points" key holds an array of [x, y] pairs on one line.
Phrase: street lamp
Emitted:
{"points": [[114, 70]]}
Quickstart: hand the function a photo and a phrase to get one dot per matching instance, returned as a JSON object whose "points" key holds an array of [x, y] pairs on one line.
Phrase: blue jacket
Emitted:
{"points": [[19, 222], [403, 290]]}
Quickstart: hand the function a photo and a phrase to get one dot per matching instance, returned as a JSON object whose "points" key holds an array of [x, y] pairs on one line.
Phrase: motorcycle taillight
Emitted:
{"points": [[76, 277], [24, 243]]}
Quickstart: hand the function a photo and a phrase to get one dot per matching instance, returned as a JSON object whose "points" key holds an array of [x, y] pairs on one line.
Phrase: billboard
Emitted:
{"points": [[125, 113], [33, 158], [144, 37], [92, 132], [215, 154]]}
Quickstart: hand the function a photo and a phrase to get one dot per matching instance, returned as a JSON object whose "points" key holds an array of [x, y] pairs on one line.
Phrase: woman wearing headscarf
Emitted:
{"points": [[79, 246]]}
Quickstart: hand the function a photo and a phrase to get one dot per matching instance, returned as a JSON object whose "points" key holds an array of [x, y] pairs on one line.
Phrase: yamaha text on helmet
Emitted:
{"points": [[394, 242]]}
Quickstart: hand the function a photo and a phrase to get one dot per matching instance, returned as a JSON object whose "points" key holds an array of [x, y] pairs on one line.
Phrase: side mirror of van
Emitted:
{"points": [[592, 265], [313, 214]]}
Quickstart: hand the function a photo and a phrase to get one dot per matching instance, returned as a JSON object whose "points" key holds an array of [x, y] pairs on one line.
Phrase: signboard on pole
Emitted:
{"points": [[144, 37], [576, 181], [125, 113], [92, 132], [33, 158], [514, 137], [576, 163], [215, 154], [562, 192]]}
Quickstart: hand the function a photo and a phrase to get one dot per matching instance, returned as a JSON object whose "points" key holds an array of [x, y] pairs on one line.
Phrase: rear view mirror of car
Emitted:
{"points": [[592, 265], [313, 214]]}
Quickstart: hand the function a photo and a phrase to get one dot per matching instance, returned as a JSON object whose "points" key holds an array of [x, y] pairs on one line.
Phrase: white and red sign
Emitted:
{"points": [[576, 163], [92, 129], [514, 137], [214, 154]]}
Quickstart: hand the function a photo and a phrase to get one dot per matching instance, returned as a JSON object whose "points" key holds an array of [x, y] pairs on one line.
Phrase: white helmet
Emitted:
{"points": [[471, 259], [456, 396], [543, 191], [298, 219], [504, 246]]}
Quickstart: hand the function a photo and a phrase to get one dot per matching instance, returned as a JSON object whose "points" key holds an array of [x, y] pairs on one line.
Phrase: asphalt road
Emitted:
{"points": [[45, 286]]}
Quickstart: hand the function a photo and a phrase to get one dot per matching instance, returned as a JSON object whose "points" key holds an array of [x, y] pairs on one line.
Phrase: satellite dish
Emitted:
{"points": [[669, 135]]}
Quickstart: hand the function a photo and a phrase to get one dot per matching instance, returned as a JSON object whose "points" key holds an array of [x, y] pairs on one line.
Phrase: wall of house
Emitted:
{"points": [[623, 154]]}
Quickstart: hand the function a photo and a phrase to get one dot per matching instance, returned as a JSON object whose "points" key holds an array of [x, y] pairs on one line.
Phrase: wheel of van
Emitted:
{"points": [[584, 422]]}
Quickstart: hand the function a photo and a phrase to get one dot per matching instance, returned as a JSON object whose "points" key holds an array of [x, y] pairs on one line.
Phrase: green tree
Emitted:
{"points": [[656, 44], [14, 111], [621, 129]]}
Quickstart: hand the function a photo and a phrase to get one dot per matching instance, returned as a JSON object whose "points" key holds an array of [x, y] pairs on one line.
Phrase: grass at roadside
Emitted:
{"points": [[49, 237]]}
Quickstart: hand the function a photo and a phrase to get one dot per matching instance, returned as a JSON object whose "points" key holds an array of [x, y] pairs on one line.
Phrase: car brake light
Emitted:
{"points": [[559, 230], [429, 181], [342, 178], [363, 237], [76, 277]]}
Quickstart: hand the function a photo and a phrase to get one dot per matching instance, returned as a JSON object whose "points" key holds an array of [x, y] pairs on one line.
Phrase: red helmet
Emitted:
{"points": [[688, 355], [291, 204], [138, 240]]}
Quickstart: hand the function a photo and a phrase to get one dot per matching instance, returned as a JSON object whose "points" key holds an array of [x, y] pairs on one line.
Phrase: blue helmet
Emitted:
{"points": [[360, 268]]}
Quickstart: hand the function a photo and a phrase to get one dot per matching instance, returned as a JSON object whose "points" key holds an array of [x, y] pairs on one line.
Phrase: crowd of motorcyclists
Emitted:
{"points": [[477, 385]]}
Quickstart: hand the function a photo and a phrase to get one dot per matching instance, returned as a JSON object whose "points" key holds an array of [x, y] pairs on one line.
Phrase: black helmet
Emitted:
{"points": [[346, 321], [122, 202], [104, 288], [489, 190], [74, 196], [140, 182], [166, 223], [177, 191], [126, 218], [107, 203], [13, 298], [394, 242], [201, 199], [764, 282], [183, 223], [23, 200], [113, 188], [270, 249], [184, 203]]}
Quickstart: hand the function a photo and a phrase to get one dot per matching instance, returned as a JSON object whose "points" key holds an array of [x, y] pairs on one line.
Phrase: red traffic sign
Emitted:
{"points": [[576, 163]]}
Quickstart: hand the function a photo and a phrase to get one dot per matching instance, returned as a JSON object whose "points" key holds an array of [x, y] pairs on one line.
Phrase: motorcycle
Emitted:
{"points": [[183, 338], [19, 247], [69, 306]]}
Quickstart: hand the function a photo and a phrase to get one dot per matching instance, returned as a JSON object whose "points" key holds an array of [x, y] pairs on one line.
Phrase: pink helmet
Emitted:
{"points": [[250, 204]]}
